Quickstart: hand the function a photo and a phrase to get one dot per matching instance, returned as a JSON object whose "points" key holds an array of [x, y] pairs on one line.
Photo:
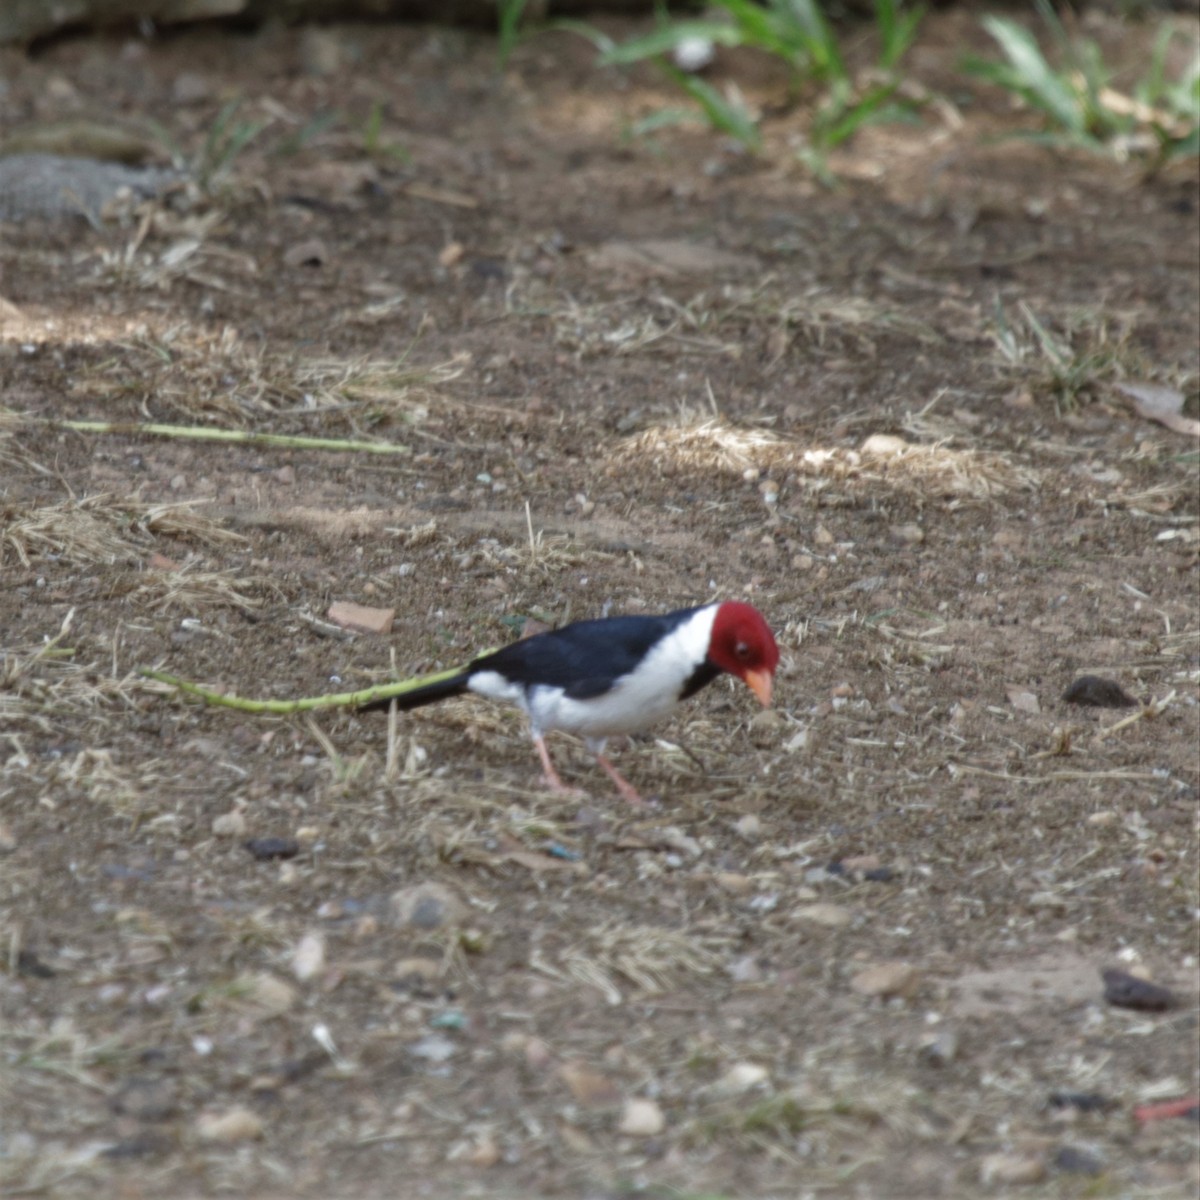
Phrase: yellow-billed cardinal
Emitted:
{"points": [[613, 676]]}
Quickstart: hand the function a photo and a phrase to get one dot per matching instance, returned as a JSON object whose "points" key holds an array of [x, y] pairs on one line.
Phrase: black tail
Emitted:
{"points": [[428, 693]]}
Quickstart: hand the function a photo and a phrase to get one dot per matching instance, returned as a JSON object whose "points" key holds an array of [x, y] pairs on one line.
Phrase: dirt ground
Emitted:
{"points": [[855, 946]]}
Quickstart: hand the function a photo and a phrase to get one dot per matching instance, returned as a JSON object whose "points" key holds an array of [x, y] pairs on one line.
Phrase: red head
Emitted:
{"points": [[743, 645]]}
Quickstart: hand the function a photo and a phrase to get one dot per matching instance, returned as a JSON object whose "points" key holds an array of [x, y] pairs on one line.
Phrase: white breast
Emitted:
{"points": [[636, 701]]}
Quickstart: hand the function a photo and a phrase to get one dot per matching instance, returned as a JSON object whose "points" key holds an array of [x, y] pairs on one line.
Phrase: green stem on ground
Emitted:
{"points": [[206, 433]]}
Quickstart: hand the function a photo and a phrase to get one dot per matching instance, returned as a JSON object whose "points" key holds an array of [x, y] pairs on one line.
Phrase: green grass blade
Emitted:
{"points": [[1033, 77], [725, 115], [897, 27], [819, 38], [509, 13], [602, 42], [664, 40]]}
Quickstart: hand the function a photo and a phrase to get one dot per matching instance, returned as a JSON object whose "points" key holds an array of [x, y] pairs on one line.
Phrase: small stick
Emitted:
{"points": [[207, 433], [1155, 708]]}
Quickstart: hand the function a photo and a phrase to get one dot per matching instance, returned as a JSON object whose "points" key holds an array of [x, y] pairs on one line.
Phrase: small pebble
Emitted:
{"points": [[434, 1048], [426, 906], [29, 965], [484, 1154], [908, 535], [733, 881], [1084, 1102], [745, 970], [589, 1087], [311, 252], [939, 1049], [234, 1125], [740, 1077], [832, 916], [860, 862], [642, 1118], [1012, 1169], [885, 445], [308, 959], [230, 824], [1077, 1161], [264, 990], [887, 980], [749, 827], [266, 848]]}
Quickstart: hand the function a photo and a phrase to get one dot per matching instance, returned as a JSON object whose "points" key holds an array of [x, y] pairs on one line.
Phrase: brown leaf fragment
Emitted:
{"points": [[1162, 404], [1123, 990], [1098, 692]]}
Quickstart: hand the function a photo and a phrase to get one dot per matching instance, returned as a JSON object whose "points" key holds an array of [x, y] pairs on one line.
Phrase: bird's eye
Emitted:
{"points": [[742, 650]]}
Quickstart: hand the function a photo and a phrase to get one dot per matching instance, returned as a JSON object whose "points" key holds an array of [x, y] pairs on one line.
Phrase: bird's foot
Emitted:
{"points": [[627, 790], [550, 777], [559, 788]]}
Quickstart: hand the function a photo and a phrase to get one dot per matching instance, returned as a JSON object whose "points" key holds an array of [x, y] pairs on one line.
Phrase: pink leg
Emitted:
{"points": [[553, 781], [627, 790]]}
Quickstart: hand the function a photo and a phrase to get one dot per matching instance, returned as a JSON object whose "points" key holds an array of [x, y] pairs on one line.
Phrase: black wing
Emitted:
{"points": [[586, 658]]}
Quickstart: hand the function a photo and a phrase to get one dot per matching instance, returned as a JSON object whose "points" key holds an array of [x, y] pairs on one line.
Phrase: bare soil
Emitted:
{"points": [[855, 946]]}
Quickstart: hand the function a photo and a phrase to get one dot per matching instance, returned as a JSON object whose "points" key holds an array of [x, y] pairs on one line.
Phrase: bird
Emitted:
{"points": [[614, 675]]}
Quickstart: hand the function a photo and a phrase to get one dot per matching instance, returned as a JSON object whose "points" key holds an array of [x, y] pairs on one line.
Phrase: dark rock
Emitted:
{"points": [[1128, 991], [1085, 1102], [1078, 1161], [1098, 692], [266, 848]]}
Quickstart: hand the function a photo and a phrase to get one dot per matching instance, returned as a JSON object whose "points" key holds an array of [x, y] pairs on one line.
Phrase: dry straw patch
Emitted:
{"points": [[719, 322], [219, 376], [649, 958], [42, 685], [100, 529], [114, 531], [935, 469]]}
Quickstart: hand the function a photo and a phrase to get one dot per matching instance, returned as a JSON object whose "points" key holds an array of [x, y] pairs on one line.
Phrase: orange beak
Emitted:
{"points": [[759, 682]]}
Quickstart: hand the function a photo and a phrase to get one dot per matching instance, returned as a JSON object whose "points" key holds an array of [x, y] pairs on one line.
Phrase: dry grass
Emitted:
{"points": [[937, 470], [720, 321], [649, 958], [118, 531], [102, 529], [45, 684], [200, 376]]}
